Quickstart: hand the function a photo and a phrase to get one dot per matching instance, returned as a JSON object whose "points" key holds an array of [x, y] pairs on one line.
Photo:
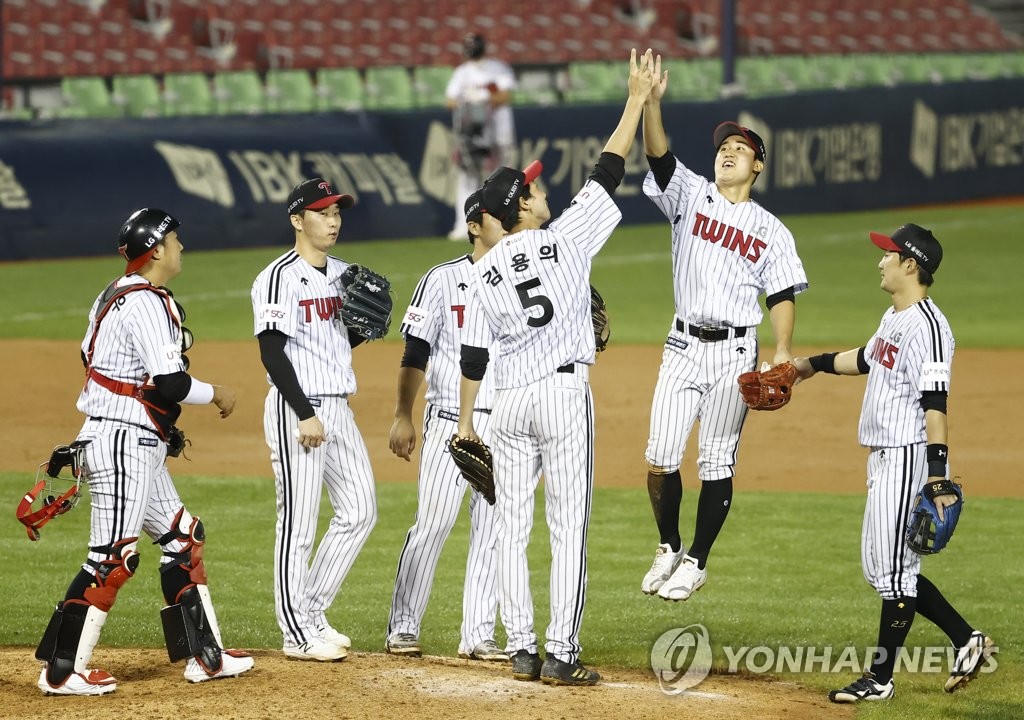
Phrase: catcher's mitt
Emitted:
{"points": [[366, 302], [769, 389], [474, 462], [926, 534], [599, 316]]}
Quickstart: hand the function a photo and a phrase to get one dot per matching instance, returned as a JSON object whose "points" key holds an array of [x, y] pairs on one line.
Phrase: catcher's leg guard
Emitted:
{"points": [[189, 621]]}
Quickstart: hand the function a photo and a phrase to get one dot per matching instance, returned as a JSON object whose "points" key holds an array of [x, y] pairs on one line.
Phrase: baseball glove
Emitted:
{"points": [[769, 389], [366, 302], [474, 462], [599, 316], [926, 534]]}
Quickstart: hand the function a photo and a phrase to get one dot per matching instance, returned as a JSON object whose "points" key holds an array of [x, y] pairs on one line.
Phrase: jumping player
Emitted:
{"points": [[135, 379], [726, 251], [432, 327], [309, 425], [531, 291], [903, 423]]}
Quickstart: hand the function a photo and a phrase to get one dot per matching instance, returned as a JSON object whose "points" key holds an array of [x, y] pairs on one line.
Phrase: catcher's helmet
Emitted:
{"points": [[474, 46], [141, 233]]}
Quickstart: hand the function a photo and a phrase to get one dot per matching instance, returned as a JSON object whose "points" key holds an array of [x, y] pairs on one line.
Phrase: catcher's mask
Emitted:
{"points": [[54, 502]]}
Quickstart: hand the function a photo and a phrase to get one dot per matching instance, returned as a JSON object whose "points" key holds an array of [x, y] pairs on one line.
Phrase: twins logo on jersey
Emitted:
{"points": [[327, 308], [884, 353], [714, 231]]}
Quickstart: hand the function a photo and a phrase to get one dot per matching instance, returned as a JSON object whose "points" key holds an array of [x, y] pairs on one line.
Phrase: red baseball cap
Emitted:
{"points": [[915, 241]]}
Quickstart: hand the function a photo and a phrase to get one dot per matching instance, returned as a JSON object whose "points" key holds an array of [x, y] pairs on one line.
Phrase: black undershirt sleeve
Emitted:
{"points": [[934, 400], [774, 299], [663, 168], [417, 352], [174, 386], [609, 171], [862, 363], [282, 373], [473, 362]]}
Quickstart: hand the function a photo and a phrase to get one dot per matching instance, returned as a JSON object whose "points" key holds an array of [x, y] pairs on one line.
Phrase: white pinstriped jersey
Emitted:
{"points": [[139, 337], [437, 314], [910, 353], [295, 298], [724, 254], [533, 291]]}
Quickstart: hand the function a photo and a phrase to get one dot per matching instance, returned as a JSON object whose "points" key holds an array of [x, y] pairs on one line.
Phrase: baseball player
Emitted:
{"points": [[478, 95], [903, 423], [531, 291], [432, 327], [726, 250], [309, 425], [135, 379]]}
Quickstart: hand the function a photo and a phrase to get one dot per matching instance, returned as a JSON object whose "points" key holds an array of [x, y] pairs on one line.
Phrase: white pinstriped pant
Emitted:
{"points": [[439, 499], [895, 476], [546, 426], [698, 380], [304, 591], [130, 489]]}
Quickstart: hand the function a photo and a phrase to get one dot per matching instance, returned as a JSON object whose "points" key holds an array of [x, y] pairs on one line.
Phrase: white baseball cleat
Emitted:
{"points": [[969, 660], [316, 649], [334, 637], [487, 650], [685, 581], [665, 563], [863, 688], [87, 682], [232, 663]]}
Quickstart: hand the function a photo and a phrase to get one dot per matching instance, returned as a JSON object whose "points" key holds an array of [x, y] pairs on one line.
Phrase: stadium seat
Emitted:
{"points": [[187, 94], [138, 95], [429, 84], [86, 97], [339, 89], [389, 88], [238, 93], [290, 91]]}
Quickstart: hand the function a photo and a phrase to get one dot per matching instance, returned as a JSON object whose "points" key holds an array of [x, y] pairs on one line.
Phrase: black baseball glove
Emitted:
{"points": [[366, 302], [474, 462], [599, 316]]}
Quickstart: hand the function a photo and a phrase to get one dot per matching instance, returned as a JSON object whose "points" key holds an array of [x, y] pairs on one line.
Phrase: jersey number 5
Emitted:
{"points": [[529, 301]]}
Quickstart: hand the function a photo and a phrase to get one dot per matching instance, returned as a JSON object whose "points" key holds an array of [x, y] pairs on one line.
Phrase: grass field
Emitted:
{"points": [[786, 569]]}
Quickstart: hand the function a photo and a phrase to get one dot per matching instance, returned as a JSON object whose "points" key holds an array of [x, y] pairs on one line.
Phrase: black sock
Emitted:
{"points": [[897, 617], [933, 606], [712, 509], [666, 493]]}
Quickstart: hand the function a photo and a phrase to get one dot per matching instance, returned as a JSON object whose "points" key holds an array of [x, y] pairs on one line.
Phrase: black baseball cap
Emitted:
{"points": [[503, 188], [474, 207], [915, 241], [728, 129], [316, 194], [141, 233]]}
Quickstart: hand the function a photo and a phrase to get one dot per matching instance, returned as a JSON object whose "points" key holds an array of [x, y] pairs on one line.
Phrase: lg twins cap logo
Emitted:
{"points": [[681, 658], [325, 187]]}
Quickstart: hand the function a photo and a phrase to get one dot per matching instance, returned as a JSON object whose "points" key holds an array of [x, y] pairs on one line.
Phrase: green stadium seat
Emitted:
{"points": [[187, 94], [339, 89], [837, 71], [875, 69], [290, 91], [238, 93], [801, 73], [534, 96], [760, 76], [595, 82], [986, 66], [86, 97], [950, 67], [429, 84], [389, 88], [19, 113], [139, 95], [913, 69]]}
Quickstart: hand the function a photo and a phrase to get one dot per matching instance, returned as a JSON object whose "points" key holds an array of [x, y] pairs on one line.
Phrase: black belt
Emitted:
{"points": [[570, 368], [94, 418], [454, 417], [705, 333]]}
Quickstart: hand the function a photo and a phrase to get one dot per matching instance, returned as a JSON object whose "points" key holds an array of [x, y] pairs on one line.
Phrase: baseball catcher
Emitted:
{"points": [[366, 302], [770, 388], [599, 315], [473, 459], [930, 529]]}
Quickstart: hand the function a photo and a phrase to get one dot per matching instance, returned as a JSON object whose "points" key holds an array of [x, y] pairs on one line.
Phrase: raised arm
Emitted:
{"points": [[641, 79], [655, 140]]}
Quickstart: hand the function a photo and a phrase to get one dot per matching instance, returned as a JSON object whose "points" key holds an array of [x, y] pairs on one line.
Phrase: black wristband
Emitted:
{"points": [[937, 456], [826, 362]]}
